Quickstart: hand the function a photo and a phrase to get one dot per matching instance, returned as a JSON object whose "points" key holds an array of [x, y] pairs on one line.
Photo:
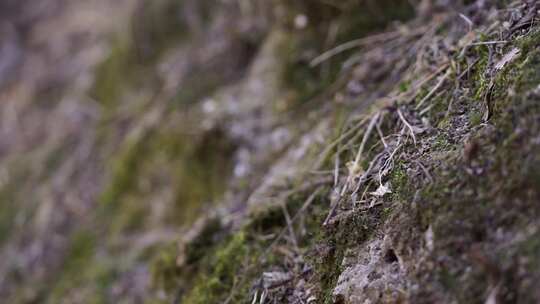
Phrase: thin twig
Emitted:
{"points": [[435, 88], [356, 162], [328, 149], [406, 123], [336, 170], [290, 227], [467, 20], [468, 69], [426, 172], [332, 211], [426, 109], [381, 135], [306, 204], [489, 42]]}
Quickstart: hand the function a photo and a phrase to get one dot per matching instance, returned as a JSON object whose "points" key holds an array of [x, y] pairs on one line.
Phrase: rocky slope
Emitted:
{"points": [[269, 151]]}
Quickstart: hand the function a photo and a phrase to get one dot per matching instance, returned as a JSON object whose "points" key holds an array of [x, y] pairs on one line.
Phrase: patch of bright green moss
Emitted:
{"points": [[223, 275], [399, 180]]}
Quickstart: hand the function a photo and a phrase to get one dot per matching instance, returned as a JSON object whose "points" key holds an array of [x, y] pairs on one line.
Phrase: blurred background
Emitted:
{"points": [[122, 121]]}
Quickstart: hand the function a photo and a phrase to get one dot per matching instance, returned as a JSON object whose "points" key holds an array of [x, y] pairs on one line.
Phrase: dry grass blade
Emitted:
{"points": [[356, 162], [306, 204], [354, 167], [290, 227], [353, 44], [320, 160], [434, 90], [489, 42], [332, 211], [407, 124]]}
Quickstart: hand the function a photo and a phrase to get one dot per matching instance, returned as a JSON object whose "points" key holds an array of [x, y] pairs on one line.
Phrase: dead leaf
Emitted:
{"points": [[382, 190]]}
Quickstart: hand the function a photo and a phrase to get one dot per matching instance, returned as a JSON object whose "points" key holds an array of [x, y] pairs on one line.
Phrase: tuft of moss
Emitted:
{"points": [[223, 275]]}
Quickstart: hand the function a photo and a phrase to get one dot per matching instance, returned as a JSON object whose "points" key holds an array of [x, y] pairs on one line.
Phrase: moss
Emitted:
{"points": [[215, 258], [113, 74], [465, 210], [197, 167], [223, 272], [81, 249], [475, 118], [156, 26], [203, 171], [128, 214], [331, 245], [7, 211], [204, 242], [529, 42], [404, 86], [399, 180], [125, 169], [10, 191], [82, 272], [164, 268], [222, 260]]}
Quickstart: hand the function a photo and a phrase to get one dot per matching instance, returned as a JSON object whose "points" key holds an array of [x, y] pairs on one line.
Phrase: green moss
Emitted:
{"points": [[7, 211], [198, 167], [529, 42], [82, 272], [199, 247], [399, 180], [10, 191], [475, 118], [463, 208], [332, 243], [113, 74], [81, 250], [465, 211], [223, 261], [125, 169], [405, 86], [157, 25], [223, 272], [530, 249], [164, 268]]}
